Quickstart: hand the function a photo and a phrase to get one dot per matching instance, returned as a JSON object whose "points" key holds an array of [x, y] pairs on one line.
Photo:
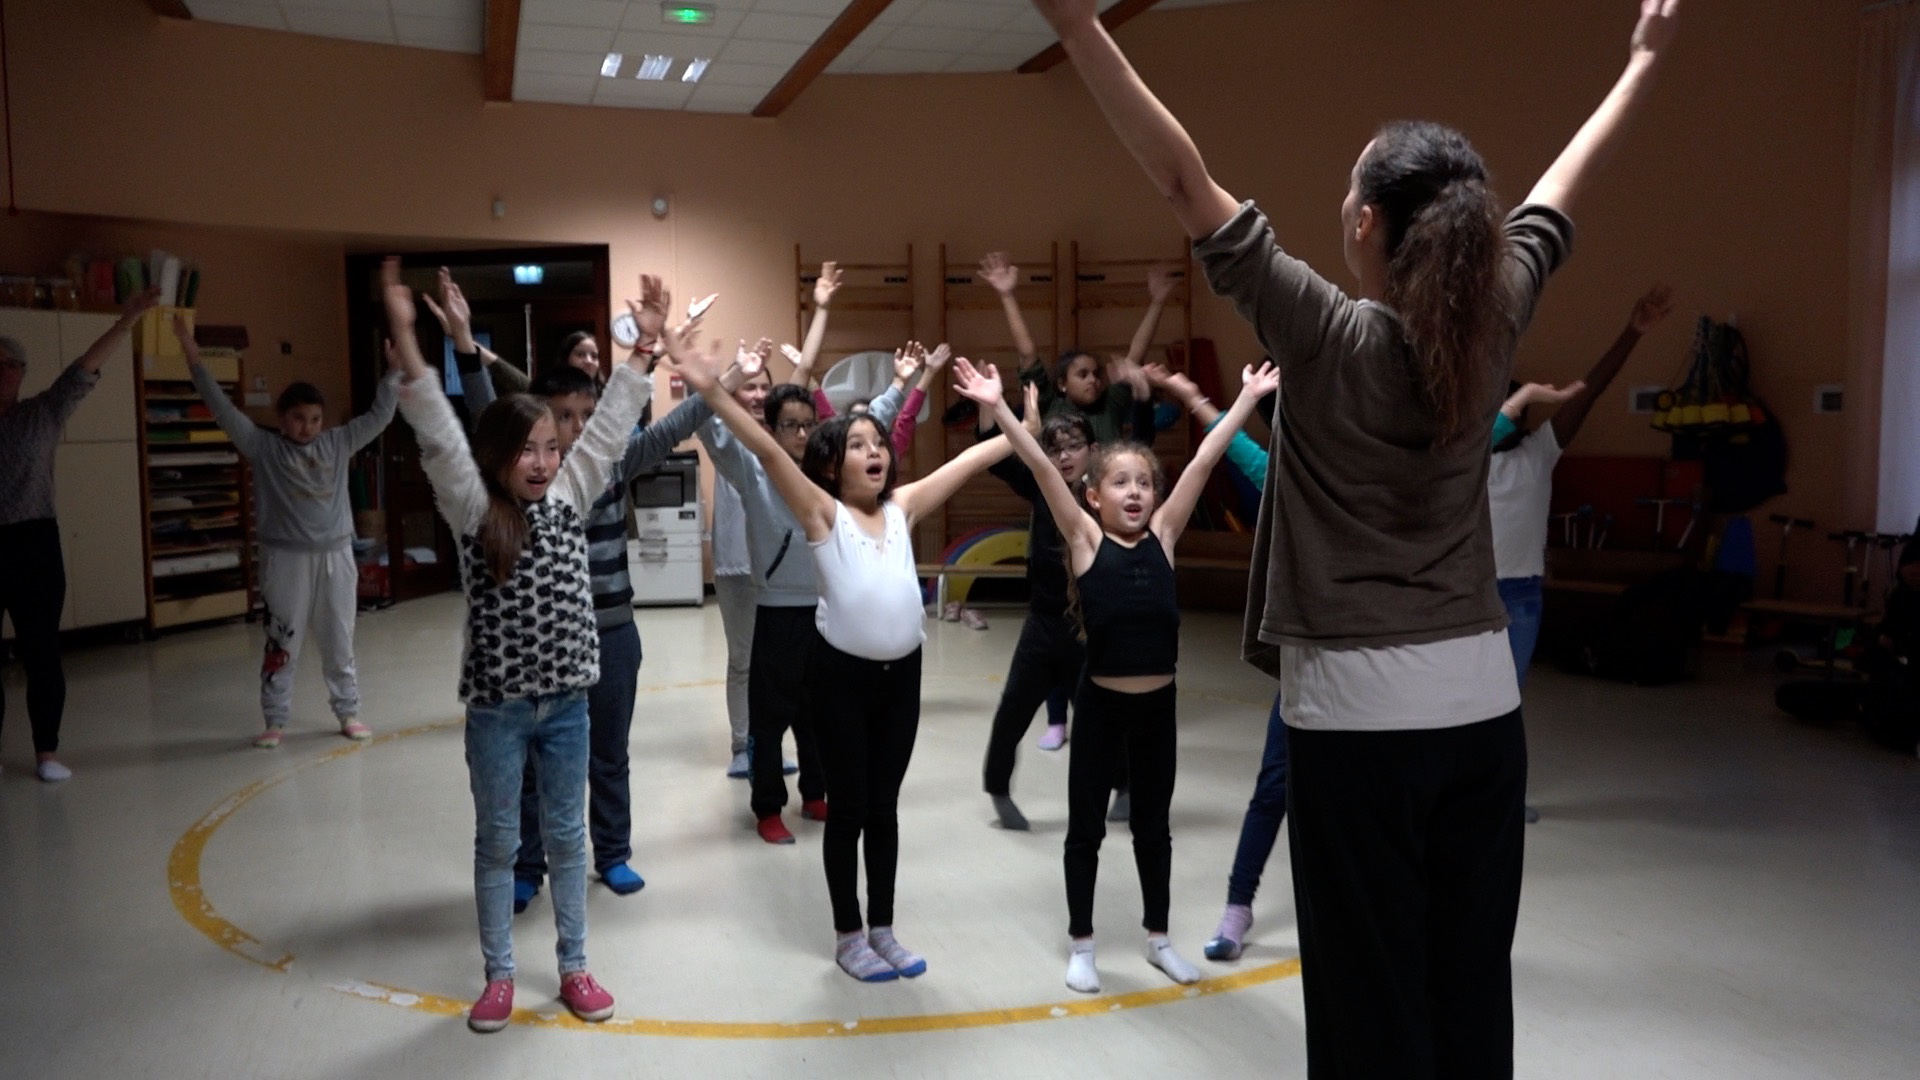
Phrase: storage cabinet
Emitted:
{"points": [[96, 468]]}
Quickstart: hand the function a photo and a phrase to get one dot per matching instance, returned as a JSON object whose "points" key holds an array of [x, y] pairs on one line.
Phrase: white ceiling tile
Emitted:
{"points": [[1022, 45], [761, 75], [368, 6], [565, 38], [667, 42], [962, 15], [897, 12], [1027, 20], [977, 63], [932, 39], [240, 13], [474, 10], [848, 62], [427, 32], [904, 62], [331, 22], [560, 89], [647, 16], [601, 13], [783, 53], [769, 26], [641, 93], [829, 8], [550, 62], [869, 39], [741, 97]]}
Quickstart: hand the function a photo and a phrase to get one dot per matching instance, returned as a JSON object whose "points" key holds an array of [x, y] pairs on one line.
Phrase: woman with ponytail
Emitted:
{"points": [[1372, 594]]}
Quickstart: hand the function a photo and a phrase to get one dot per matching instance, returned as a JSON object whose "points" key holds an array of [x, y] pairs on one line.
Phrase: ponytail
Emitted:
{"points": [[1445, 248]]}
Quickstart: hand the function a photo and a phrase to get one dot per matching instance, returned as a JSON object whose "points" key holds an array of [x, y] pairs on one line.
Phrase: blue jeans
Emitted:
{"points": [[553, 731], [1522, 598], [1265, 812], [609, 795]]}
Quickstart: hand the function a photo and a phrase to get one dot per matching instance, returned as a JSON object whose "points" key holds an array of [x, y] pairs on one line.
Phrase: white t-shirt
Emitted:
{"points": [[870, 604], [1441, 684], [1519, 494], [730, 557]]}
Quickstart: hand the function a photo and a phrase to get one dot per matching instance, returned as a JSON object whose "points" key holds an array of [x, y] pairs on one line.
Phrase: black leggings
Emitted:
{"points": [[1406, 853], [33, 591], [1049, 656], [1115, 731], [868, 713], [778, 698]]}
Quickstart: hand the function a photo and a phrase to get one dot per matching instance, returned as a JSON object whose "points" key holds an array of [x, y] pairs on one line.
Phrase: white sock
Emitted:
{"points": [[858, 959], [902, 959], [53, 772], [1081, 974], [1161, 955]]}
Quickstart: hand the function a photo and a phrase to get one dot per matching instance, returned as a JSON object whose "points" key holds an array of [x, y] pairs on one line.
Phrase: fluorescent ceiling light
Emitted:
{"points": [[529, 274], [654, 67], [696, 67], [611, 65]]}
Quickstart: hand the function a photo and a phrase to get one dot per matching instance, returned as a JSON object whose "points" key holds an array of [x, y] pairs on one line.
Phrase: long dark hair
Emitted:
{"points": [[498, 438], [1097, 465], [1444, 246], [826, 453]]}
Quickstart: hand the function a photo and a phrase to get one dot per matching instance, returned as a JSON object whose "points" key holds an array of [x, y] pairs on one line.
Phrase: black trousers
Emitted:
{"points": [[1048, 657], [33, 591], [779, 697], [869, 715], [1115, 732], [1406, 877]]}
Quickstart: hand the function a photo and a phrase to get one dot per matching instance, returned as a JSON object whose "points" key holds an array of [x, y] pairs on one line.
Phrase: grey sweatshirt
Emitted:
{"points": [[1369, 534], [301, 490], [782, 564], [29, 434]]}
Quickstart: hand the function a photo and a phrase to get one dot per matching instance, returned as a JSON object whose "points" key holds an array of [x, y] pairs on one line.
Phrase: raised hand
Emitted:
{"points": [[1030, 417], [1174, 384], [1258, 384], [1161, 282], [137, 305], [907, 360], [1659, 25], [1065, 15], [826, 284], [650, 311], [793, 355], [1000, 273], [1545, 394], [1650, 310], [752, 361], [397, 298], [977, 385], [684, 357], [1122, 370], [938, 358]]}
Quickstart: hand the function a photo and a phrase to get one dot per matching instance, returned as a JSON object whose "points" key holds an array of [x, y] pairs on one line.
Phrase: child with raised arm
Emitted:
{"points": [[1113, 397], [1119, 535], [308, 578], [865, 668], [1373, 593], [532, 649]]}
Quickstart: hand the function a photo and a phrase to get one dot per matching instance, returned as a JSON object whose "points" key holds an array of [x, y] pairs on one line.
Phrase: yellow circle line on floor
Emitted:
{"points": [[190, 899]]}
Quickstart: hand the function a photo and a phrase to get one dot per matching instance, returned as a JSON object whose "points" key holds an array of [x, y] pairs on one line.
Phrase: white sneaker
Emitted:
{"points": [[53, 772]]}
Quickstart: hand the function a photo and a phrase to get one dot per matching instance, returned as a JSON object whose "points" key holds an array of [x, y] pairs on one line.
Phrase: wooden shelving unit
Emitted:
{"points": [[1109, 299], [971, 319], [196, 493]]}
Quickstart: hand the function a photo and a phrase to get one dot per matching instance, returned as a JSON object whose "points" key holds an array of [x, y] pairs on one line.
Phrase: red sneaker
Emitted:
{"points": [[588, 1000], [814, 809], [773, 830], [494, 1008]]}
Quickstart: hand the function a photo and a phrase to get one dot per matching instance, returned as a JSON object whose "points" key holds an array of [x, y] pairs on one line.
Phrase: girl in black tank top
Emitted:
{"points": [[1119, 546]]}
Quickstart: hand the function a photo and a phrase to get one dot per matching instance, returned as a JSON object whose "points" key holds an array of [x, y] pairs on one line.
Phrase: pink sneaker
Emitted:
{"points": [[355, 730], [973, 619], [1054, 737], [494, 1008], [588, 1000], [268, 739]]}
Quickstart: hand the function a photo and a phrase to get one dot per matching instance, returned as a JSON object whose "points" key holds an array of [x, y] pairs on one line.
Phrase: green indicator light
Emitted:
{"points": [[687, 16]]}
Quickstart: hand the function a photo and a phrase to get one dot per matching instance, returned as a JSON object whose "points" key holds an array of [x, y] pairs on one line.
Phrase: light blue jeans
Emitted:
{"points": [[1522, 597], [553, 729]]}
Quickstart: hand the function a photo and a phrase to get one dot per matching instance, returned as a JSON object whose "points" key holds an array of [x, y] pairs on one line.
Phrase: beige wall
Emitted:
{"points": [[1734, 188]]}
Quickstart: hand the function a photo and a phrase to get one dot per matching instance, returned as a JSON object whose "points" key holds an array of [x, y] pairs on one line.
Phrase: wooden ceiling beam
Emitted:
{"points": [[852, 22], [502, 43], [1051, 56]]}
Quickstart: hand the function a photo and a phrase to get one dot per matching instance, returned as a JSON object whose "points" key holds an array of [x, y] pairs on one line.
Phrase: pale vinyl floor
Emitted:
{"points": [[1715, 891]]}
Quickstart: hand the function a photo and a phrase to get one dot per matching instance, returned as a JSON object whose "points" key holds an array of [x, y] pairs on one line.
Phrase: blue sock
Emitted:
{"points": [[523, 893], [622, 880]]}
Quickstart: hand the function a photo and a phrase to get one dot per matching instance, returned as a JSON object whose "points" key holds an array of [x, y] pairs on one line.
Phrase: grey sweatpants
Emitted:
{"points": [[308, 593], [738, 597]]}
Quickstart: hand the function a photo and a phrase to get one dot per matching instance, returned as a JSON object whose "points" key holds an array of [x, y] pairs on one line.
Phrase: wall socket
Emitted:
{"points": [[1827, 398], [1644, 399]]}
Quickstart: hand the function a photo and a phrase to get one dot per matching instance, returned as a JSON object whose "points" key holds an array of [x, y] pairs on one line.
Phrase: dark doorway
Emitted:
{"points": [[522, 319]]}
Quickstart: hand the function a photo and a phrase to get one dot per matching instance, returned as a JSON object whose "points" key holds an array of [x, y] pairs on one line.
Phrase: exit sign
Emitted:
{"points": [[686, 14]]}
